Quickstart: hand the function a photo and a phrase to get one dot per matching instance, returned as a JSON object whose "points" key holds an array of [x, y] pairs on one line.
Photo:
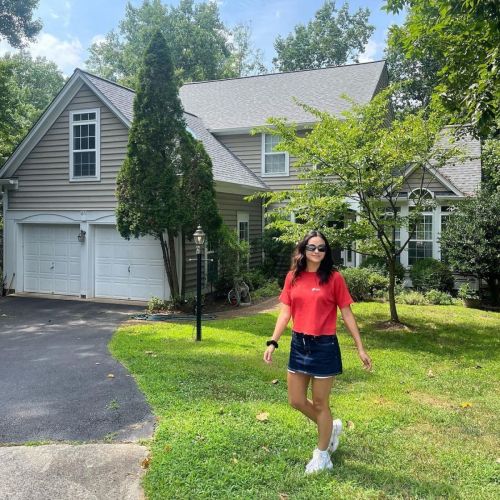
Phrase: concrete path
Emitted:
{"points": [[55, 385]]}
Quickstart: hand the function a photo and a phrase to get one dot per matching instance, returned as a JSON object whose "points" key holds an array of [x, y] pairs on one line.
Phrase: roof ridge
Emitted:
{"points": [[105, 79], [278, 73]]}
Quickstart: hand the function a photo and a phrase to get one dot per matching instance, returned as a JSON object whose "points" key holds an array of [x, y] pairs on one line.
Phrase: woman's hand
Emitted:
{"points": [[367, 362], [268, 354]]}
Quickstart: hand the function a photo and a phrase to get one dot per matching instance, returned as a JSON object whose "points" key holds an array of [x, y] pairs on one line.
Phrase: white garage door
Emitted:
{"points": [[52, 259], [128, 269]]}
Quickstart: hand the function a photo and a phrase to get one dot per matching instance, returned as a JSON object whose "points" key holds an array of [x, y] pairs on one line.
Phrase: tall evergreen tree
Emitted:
{"points": [[198, 205], [148, 182]]}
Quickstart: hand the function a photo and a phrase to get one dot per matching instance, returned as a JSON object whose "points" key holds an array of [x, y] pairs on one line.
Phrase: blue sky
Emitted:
{"points": [[71, 26]]}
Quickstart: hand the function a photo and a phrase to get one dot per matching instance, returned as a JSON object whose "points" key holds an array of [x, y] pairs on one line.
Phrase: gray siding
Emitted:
{"points": [[44, 175], [414, 181], [248, 149], [229, 205]]}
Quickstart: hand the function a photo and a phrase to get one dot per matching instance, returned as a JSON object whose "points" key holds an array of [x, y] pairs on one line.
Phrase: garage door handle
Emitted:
{"points": [[52, 265], [128, 268]]}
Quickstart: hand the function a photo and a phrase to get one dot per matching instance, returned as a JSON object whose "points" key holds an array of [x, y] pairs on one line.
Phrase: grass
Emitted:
{"points": [[424, 422]]}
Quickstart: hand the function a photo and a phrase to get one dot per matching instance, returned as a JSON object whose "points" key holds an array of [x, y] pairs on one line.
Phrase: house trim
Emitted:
{"points": [[263, 154]]}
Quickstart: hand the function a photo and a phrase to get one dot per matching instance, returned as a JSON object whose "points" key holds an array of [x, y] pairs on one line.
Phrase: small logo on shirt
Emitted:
{"points": [[315, 290]]}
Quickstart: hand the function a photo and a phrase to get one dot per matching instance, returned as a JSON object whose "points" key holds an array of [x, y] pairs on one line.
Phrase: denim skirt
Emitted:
{"points": [[315, 355]]}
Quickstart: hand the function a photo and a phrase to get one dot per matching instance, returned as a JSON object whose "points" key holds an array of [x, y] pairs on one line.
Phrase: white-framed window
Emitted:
{"points": [[420, 245], [243, 228], [274, 163], [84, 145]]}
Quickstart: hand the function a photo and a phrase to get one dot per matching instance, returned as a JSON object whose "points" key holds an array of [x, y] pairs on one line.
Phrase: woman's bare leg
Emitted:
{"points": [[297, 394], [321, 388]]}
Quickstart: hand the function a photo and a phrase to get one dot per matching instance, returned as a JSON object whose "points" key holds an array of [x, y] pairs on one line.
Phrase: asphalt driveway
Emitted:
{"points": [[58, 380]]}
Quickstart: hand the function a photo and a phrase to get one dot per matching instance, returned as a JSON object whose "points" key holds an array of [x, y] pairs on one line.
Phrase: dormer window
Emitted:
{"points": [[84, 145], [274, 163]]}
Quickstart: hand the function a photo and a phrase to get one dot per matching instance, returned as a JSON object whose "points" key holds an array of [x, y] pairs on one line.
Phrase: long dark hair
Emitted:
{"points": [[299, 261]]}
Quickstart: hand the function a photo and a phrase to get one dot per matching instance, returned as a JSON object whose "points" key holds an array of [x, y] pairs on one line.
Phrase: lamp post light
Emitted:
{"points": [[199, 241]]}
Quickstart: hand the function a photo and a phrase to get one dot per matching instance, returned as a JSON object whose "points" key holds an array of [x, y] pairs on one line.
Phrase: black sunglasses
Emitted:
{"points": [[319, 248]]}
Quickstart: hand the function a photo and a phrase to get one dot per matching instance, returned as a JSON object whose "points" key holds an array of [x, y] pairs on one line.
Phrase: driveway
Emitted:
{"points": [[58, 381]]}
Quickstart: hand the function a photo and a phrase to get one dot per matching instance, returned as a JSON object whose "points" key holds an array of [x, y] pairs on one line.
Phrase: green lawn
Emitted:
{"points": [[424, 421]]}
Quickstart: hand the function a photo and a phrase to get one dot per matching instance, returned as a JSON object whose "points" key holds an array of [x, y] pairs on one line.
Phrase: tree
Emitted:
{"points": [[147, 184], [416, 77], [471, 240], [244, 59], [197, 38], [463, 37], [17, 25], [198, 205], [27, 87], [332, 38], [165, 186], [358, 162]]}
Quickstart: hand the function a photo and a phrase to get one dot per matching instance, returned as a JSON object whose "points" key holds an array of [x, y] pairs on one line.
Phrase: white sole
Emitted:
{"points": [[336, 432]]}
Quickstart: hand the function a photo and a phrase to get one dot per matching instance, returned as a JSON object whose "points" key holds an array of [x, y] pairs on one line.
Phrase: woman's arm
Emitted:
{"points": [[281, 323], [352, 327]]}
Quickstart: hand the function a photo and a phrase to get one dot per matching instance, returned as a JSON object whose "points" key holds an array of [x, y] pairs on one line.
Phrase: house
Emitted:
{"points": [[58, 186]]}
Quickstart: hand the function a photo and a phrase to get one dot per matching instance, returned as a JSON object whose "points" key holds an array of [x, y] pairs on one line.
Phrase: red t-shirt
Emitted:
{"points": [[314, 306]]}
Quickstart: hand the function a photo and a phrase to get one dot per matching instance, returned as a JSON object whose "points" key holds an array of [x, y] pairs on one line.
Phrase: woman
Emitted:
{"points": [[312, 292]]}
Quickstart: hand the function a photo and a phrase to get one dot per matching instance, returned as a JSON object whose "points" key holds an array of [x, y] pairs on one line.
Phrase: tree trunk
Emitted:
{"points": [[183, 270], [166, 260], [174, 291], [392, 286]]}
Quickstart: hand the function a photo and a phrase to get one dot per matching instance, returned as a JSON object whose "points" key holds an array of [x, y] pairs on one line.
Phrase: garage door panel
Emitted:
{"points": [[52, 259], [129, 269]]}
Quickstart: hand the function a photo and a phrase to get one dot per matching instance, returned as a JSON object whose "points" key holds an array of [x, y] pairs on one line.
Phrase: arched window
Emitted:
{"points": [[421, 194]]}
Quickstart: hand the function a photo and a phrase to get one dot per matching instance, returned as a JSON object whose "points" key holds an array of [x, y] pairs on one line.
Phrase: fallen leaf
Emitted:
{"points": [[350, 424], [262, 417], [234, 460], [478, 366], [149, 352], [145, 462], [498, 460], [110, 375], [430, 374], [465, 404], [283, 496], [266, 449], [167, 448], [275, 381]]}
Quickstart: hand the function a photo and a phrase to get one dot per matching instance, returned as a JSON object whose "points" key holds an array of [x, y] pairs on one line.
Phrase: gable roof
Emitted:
{"points": [[244, 103], [226, 167]]}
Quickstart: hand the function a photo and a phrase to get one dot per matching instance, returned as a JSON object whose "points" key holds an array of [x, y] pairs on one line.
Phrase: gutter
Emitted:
{"points": [[13, 183]]}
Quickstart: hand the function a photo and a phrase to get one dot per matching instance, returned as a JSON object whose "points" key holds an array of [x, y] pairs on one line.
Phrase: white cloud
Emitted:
{"points": [[370, 52], [67, 54], [98, 39]]}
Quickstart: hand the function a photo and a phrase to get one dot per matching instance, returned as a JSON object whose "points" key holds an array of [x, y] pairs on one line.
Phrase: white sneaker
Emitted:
{"points": [[320, 461], [334, 439]]}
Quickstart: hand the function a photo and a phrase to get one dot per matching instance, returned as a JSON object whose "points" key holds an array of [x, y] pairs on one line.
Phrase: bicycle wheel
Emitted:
{"points": [[233, 297]]}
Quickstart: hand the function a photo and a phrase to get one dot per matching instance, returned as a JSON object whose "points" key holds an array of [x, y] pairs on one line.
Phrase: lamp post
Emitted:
{"points": [[199, 241]]}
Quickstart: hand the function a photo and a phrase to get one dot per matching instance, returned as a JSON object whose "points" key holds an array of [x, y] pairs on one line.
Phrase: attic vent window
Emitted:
{"points": [[84, 145]]}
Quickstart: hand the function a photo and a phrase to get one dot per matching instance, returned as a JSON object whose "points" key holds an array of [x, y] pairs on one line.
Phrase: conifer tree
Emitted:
{"points": [[148, 182]]}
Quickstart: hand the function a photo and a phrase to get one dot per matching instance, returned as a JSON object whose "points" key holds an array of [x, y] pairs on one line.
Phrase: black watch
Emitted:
{"points": [[272, 342]]}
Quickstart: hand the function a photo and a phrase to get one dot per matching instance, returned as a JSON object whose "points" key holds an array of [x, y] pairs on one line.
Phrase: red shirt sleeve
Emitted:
{"points": [[340, 291], [285, 293]]}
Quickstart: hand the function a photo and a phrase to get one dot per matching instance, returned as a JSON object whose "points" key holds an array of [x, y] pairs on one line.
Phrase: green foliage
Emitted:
{"points": [[412, 298], [364, 283], [277, 254], [490, 165], [438, 298], [379, 264], [431, 274], [254, 278], [156, 304], [233, 256], [368, 158], [197, 38], [461, 38], [332, 38], [17, 25], [270, 288], [27, 86], [471, 239], [467, 292]]}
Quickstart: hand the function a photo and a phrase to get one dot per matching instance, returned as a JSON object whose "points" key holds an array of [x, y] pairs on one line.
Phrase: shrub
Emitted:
{"points": [[467, 292], [438, 298], [269, 289], [431, 274], [412, 298], [364, 283], [254, 278], [155, 304], [277, 255], [379, 264]]}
